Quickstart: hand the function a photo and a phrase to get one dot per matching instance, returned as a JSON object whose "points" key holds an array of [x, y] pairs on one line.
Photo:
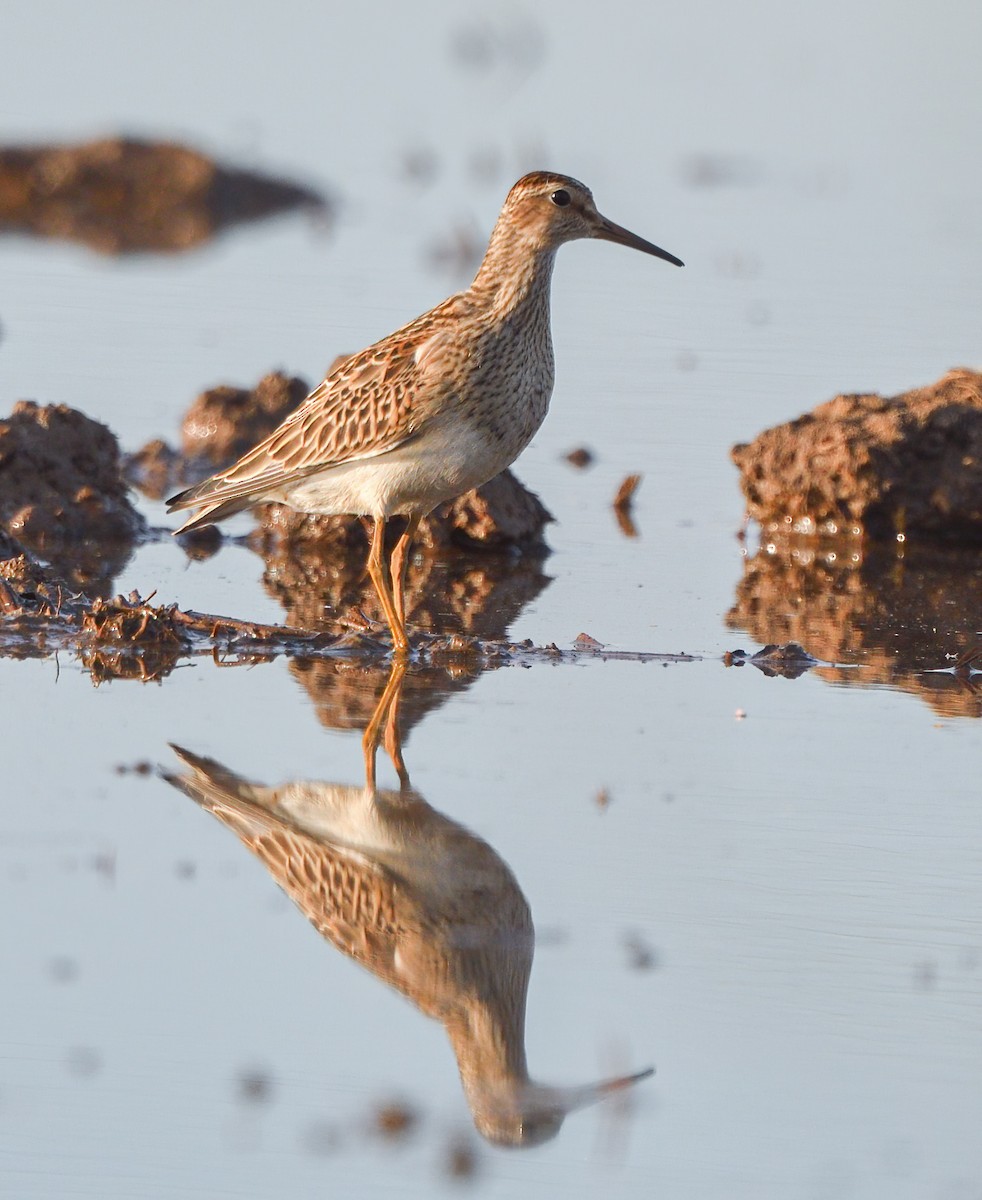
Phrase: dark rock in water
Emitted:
{"points": [[62, 493], [120, 195], [874, 465]]}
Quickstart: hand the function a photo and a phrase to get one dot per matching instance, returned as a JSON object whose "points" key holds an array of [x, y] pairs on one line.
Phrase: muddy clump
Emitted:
{"points": [[221, 425], [121, 195], [224, 422], [63, 495], [900, 614], [874, 465], [29, 588]]}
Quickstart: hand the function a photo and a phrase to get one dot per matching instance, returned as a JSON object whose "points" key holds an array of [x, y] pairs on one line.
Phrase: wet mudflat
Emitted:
{"points": [[229, 968]]}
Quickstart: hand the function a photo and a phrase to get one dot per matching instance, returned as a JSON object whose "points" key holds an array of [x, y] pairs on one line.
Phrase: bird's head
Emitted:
{"points": [[547, 210]]}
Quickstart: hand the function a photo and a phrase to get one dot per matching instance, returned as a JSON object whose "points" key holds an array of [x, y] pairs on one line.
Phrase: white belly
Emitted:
{"points": [[439, 465]]}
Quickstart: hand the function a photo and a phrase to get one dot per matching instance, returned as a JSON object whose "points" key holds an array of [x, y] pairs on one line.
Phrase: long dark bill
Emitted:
{"points": [[624, 237]]}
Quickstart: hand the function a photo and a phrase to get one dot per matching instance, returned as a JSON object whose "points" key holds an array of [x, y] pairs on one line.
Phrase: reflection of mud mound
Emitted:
{"points": [[886, 465], [896, 616], [121, 195], [478, 594], [62, 493], [345, 694]]}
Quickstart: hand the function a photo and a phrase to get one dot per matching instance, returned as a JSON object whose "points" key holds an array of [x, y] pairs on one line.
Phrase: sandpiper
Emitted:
{"points": [[437, 408], [425, 905]]}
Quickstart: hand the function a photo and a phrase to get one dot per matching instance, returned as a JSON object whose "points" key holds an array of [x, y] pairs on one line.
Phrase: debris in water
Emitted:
{"points": [[461, 1158], [583, 641], [395, 1120], [623, 503], [581, 458], [83, 1062], [641, 955], [790, 660], [255, 1087]]}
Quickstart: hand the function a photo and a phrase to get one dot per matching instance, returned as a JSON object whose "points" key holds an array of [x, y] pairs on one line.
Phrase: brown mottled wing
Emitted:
{"points": [[349, 899], [374, 402]]}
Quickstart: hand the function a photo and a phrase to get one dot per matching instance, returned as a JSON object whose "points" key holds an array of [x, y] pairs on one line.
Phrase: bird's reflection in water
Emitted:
{"points": [[426, 906]]}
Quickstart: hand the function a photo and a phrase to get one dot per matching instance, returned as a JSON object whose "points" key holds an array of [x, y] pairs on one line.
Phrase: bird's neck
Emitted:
{"points": [[515, 274], [489, 1044]]}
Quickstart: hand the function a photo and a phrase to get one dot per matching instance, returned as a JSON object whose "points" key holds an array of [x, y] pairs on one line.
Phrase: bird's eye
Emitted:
{"points": [[560, 198]]}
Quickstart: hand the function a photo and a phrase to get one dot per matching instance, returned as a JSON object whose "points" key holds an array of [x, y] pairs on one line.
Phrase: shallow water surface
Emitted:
{"points": [[765, 887]]}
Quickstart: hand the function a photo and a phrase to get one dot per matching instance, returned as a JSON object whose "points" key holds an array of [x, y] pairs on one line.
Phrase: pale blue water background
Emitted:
{"points": [[809, 877]]}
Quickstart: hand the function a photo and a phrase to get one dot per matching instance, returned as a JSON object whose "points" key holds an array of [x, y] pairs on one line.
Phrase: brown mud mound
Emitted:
{"points": [[62, 493], [120, 195], [871, 464], [220, 426], [224, 422], [896, 615]]}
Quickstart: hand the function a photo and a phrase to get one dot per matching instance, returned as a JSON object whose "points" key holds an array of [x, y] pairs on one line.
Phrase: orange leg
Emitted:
{"points": [[386, 714], [399, 566], [379, 576]]}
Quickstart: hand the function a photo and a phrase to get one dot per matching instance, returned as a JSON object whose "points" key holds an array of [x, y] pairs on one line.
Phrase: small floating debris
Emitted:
{"points": [[395, 1120], [84, 1062], [461, 1161], [583, 641], [641, 955], [63, 969], [581, 458], [143, 767], [623, 503], [789, 661], [254, 1087], [718, 170]]}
